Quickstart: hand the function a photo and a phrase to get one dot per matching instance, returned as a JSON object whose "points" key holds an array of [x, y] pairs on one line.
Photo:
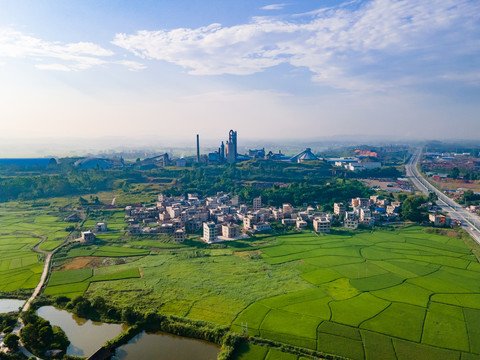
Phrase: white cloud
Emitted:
{"points": [[131, 65], [74, 56], [352, 46], [77, 56], [274, 7], [57, 67], [469, 78]]}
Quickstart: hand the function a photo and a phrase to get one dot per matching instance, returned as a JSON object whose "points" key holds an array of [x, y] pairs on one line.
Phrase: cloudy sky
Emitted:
{"points": [[304, 68]]}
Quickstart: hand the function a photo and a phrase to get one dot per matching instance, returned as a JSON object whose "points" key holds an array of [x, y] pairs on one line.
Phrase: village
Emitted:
{"points": [[223, 217]]}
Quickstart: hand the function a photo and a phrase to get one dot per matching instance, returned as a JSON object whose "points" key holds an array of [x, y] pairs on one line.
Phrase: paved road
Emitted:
{"points": [[470, 222]]}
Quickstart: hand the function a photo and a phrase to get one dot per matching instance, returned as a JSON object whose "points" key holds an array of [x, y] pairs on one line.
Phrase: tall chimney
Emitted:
{"points": [[198, 149]]}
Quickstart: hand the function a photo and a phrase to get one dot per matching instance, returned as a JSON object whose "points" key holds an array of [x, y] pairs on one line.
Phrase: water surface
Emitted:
{"points": [[86, 336], [8, 305], [164, 346]]}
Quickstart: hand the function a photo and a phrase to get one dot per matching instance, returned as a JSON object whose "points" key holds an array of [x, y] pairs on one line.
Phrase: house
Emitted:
{"points": [[88, 236], [289, 222], [134, 229], [365, 214], [100, 227], [248, 222], [439, 220], [301, 224], [321, 225], [257, 203], [360, 202], [230, 231], [287, 209], [179, 236], [339, 209], [350, 224], [209, 232], [261, 227], [392, 209]]}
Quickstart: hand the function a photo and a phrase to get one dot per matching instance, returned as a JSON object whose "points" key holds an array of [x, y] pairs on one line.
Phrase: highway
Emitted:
{"points": [[470, 222]]}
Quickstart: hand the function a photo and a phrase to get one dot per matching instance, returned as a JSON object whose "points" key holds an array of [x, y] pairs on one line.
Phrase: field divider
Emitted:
{"points": [[370, 318]]}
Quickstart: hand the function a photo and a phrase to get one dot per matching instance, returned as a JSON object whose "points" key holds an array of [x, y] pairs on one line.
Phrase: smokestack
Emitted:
{"points": [[198, 149]]}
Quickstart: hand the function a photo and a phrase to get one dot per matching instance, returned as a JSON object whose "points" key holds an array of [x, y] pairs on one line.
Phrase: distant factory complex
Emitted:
{"points": [[228, 153]]}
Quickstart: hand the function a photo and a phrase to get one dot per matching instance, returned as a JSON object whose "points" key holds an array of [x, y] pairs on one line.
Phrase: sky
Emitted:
{"points": [[271, 70]]}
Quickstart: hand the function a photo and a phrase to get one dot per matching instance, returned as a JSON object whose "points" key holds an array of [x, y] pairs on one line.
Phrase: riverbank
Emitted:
{"points": [[231, 344]]}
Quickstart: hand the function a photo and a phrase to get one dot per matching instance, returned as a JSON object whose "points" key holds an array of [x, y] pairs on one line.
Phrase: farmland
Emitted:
{"points": [[404, 293], [365, 295], [74, 283], [22, 226]]}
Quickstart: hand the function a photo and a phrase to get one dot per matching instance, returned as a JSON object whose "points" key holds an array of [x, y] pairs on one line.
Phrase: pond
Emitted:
{"points": [[164, 346], [8, 305], [86, 336]]}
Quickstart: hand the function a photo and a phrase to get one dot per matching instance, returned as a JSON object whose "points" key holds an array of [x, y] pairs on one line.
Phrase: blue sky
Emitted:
{"points": [[272, 70]]}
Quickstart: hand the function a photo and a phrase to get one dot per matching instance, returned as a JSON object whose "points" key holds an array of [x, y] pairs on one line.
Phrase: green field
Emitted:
{"points": [[403, 294], [73, 283], [22, 226], [366, 295]]}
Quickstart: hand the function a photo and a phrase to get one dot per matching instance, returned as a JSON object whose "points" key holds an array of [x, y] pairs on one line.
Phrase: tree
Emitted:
{"points": [[60, 339], [432, 197], [29, 335], [129, 315], [11, 341], [454, 173], [412, 209], [98, 303]]}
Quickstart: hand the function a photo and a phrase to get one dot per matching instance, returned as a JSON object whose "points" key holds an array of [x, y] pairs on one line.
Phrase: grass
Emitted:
{"points": [[357, 309], [278, 355], [106, 251], [339, 345], [156, 244], [464, 300], [377, 282], [445, 325], [248, 351], [72, 283], [22, 225], [472, 318], [285, 322], [400, 294], [69, 276], [407, 350], [251, 318], [405, 293], [70, 290], [399, 320], [377, 347]]}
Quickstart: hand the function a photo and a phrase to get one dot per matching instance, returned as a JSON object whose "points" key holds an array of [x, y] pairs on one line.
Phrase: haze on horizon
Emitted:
{"points": [[296, 70]]}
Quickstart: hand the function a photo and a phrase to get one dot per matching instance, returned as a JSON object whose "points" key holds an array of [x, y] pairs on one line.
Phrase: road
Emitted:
{"points": [[470, 222], [46, 268]]}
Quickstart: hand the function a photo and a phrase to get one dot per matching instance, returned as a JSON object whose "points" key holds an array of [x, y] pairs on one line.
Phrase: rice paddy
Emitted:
{"points": [[22, 226], [403, 294]]}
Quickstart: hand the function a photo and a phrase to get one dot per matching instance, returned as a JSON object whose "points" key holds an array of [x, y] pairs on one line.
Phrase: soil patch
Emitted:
{"points": [[83, 262]]}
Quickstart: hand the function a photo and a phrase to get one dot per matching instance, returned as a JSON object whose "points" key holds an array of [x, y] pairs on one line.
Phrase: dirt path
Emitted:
{"points": [[38, 288]]}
